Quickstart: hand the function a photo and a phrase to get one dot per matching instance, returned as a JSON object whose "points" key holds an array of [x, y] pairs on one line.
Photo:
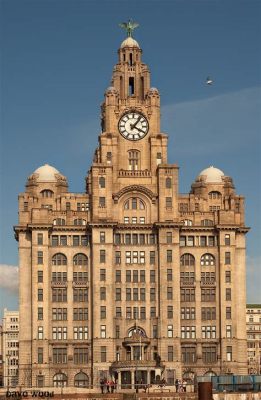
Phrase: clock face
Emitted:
{"points": [[133, 126]]}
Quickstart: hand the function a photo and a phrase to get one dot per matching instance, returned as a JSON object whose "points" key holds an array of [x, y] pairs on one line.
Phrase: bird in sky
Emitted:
{"points": [[209, 81]]}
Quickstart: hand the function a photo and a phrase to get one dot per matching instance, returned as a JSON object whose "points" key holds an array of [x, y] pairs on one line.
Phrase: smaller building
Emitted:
{"points": [[10, 348], [253, 321], [1, 357]]}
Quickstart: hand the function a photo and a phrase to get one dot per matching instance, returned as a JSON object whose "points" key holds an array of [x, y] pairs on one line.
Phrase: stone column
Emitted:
{"points": [[133, 379], [119, 380]]}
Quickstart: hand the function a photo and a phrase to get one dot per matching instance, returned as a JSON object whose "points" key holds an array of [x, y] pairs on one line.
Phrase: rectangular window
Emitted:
{"points": [[40, 333], [169, 237], [102, 274], [102, 293], [39, 276], [187, 294], [103, 312], [40, 294], [128, 275], [169, 255], [152, 294], [67, 206], [208, 313], [39, 238], [211, 241], [143, 313], [63, 240], [227, 240], [142, 294], [118, 294], [80, 355], [168, 202], [152, 276], [126, 220], [102, 237], [59, 355], [170, 312], [128, 257], [102, 202], [80, 314], [153, 312], [55, 240], [128, 312], [228, 294], [170, 331], [190, 241], [102, 256], [169, 275], [142, 220], [128, 238], [152, 257], [170, 353], [203, 241], [229, 331], [135, 258], [142, 238], [142, 257], [59, 333], [142, 275], [40, 258], [135, 294], [40, 355], [135, 276], [84, 240], [188, 355], [169, 293], [117, 257], [80, 332], [135, 238], [117, 238], [227, 258], [118, 312], [118, 275], [26, 206], [229, 353], [136, 312], [182, 240], [208, 294], [228, 277], [40, 313], [103, 331], [209, 354], [59, 295], [134, 220], [103, 354], [80, 294], [117, 331], [155, 331], [59, 314], [228, 312]]}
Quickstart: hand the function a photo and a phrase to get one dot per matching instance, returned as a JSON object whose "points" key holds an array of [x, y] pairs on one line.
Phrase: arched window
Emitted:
{"points": [[134, 203], [207, 259], [60, 380], [187, 222], [47, 193], [214, 195], [207, 222], [81, 380], [80, 259], [187, 260], [134, 158], [101, 182], [59, 259], [79, 221], [59, 221], [137, 330], [168, 183]]}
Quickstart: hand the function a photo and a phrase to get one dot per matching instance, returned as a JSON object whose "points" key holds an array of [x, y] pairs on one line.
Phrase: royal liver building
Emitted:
{"points": [[130, 279]]}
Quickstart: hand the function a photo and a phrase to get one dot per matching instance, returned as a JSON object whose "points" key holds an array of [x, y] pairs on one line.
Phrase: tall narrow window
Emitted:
{"points": [[133, 160], [131, 86]]}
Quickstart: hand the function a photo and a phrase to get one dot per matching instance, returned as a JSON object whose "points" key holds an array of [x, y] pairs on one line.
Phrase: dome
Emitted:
{"points": [[46, 173], [130, 42], [212, 174]]}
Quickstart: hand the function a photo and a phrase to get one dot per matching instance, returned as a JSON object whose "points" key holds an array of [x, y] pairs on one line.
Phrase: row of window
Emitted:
{"points": [[135, 238], [75, 240]]}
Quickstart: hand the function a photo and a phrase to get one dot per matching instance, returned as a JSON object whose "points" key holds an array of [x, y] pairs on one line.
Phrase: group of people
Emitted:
{"points": [[181, 385], [107, 386]]}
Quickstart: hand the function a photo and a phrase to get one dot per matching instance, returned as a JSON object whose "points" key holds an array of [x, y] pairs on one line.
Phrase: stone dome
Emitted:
{"points": [[211, 175], [47, 173], [130, 42]]}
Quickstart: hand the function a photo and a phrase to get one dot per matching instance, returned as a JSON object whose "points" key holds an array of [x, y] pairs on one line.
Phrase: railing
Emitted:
{"points": [[187, 282], [207, 282], [134, 173], [59, 283]]}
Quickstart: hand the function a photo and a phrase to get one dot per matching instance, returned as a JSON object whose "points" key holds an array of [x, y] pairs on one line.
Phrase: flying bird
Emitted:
{"points": [[209, 81]]}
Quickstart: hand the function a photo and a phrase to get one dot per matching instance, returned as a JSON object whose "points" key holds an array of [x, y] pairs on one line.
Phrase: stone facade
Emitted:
{"points": [[253, 324], [10, 348], [130, 280]]}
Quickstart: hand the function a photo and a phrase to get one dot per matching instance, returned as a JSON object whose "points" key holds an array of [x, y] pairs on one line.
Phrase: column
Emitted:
{"points": [[133, 379], [119, 380]]}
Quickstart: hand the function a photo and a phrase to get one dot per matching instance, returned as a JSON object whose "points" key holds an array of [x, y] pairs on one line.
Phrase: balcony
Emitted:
{"points": [[208, 282], [187, 282], [59, 283], [132, 173], [80, 283]]}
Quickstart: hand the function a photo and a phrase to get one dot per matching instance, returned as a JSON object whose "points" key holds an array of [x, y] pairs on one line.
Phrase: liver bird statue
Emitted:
{"points": [[129, 27]]}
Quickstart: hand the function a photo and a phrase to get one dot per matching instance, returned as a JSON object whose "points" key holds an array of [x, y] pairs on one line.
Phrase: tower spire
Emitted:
{"points": [[129, 27]]}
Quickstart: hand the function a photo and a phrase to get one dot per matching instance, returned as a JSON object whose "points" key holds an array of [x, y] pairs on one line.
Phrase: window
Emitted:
{"points": [[80, 332], [40, 294], [102, 237], [79, 221], [152, 294], [80, 294], [59, 355], [183, 207], [188, 332], [168, 183], [168, 202], [128, 257], [169, 275], [155, 331], [169, 293], [142, 257], [228, 277], [170, 353], [80, 314], [55, 240], [80, 276], [143, 313], [188, 354], [128, 275], [182, 240], [59, 259], [40, 333], [135, 294], [187, 295], [187, 260], [102, 202], [227, 239], [142, 275], [142, 294], [227, 258], [133, 160], [187, 222], [170, 312], [26, 206], [67, 206], [152, 257], [228, 294], [59, 333], [135, 276], [203, 241], [229, 331], [109, 157], [47, 193], [63, 240], [228, 312], [102, 256], [188, 313], [170, 331], [59, 221], [169, 255], [103, 331], [40, 355], [103, 312], [118, 275], [207, 259], [208, 313], [118, 312], [128, 312], [152, 312], [208, 294], [118, 294], [39, 257], [117, 257], [59, 295], [126, 220], [80, 259], [229, 353], [169, 237], [59, 314], [101, 182], [39, 238], [117, 238], [103, 354], [190, 241], [152, 276], [208, 332], [40, 313], [117, 331], [128, 238], [207, 222], [80, 355], [209, 354], [39, 276]]}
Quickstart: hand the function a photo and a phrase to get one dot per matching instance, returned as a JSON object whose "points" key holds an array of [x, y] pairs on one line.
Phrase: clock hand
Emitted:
{"points": [[139, 129], [133, 125]]}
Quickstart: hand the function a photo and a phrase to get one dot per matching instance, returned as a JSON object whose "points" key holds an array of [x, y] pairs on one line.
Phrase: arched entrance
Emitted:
{"points": [[81, 380]]}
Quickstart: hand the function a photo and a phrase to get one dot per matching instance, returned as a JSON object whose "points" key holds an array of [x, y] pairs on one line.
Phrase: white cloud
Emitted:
{"points": [[253, 268], [9, 277]]}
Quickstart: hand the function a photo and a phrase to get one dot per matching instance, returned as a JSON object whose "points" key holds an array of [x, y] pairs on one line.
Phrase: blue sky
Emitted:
{"points": [[56, 62]]}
